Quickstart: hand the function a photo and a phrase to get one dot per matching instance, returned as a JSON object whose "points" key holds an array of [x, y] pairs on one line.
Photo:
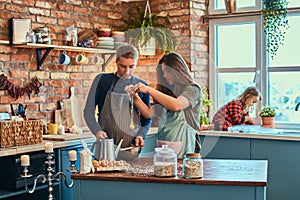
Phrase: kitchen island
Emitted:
{"points": [[222, 179], [280, 149]]}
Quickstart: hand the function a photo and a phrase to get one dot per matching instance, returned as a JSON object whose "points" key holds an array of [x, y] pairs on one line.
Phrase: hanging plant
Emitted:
{"points": [[275, 23], [143, 26]]}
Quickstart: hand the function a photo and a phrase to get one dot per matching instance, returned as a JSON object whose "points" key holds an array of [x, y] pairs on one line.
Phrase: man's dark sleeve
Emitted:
{"points": [[90, 105]]}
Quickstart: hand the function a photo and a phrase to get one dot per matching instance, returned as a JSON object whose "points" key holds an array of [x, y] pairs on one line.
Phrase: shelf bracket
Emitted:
{"points": [[40, 58], [104, 65]]}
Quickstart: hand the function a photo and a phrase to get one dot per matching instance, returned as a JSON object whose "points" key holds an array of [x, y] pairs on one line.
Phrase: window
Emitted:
{"points": [[234, 64], [238, 59], [284, 74], [218, 6]]}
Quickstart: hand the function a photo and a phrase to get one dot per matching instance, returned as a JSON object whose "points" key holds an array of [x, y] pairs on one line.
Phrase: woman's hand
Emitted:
{"points": [[140, 87], [133, 89], [129, 90], [249, 120]]}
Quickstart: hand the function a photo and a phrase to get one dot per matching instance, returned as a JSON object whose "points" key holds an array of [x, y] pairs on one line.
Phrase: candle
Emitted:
{"points": [[25, 160], [48, 147], [72, 155], [74, 129], [61, 129]]}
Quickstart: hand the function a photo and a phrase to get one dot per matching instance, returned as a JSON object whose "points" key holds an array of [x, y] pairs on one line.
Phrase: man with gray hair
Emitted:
{"points": [[116, 117]]}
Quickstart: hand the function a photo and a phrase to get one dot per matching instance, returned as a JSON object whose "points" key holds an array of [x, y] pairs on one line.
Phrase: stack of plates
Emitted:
{"points": [[119, 38], [105, 43]]}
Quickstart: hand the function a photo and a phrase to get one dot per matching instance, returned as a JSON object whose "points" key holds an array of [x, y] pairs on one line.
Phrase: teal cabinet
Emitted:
{"points": [[91, 189], [12, 186], [283, 167], [67, 193], [225, 147]]}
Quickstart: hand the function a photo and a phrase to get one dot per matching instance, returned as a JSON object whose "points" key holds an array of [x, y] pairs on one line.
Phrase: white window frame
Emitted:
{"points": [[261, 62], [213, 84]]}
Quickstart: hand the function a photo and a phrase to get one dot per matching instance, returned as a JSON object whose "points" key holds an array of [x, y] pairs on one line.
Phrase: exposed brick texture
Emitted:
{"points": [[20, 65]]}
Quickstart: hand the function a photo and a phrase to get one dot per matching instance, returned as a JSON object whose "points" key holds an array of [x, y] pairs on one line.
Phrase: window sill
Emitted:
{"points": [[236, 14]]}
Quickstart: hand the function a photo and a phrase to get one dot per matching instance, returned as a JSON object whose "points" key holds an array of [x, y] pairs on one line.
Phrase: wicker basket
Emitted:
{"points": [[21, 133]]}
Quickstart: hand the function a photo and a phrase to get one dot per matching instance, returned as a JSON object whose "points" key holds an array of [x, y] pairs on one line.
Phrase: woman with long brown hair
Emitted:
{"points": [[177, 103]]}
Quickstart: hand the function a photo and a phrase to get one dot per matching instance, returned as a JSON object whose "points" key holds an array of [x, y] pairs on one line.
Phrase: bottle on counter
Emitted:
{"points": [[192, 166], [28, 37], [165, 162]]}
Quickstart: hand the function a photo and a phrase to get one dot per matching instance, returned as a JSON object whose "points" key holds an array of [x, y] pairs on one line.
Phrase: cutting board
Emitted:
{"points": [[71, 112], [67, 136]]}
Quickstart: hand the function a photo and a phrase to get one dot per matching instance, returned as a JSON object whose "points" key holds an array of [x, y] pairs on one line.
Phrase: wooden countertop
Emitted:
{"points": [[86, 136], [216, 172]]}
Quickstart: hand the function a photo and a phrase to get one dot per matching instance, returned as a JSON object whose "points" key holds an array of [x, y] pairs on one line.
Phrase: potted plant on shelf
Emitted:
{"points": [[144, 29], [267, 114], [275, 24]]}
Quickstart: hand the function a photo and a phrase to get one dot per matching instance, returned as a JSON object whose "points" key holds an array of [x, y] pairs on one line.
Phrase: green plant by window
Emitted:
{"points": [[143, 26], [275, 23], [267, 111], [206, 103]]}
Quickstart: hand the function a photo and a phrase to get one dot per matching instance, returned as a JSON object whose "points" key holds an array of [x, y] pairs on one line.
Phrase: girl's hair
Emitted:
{"points": [[179, 71], [248, 93]]}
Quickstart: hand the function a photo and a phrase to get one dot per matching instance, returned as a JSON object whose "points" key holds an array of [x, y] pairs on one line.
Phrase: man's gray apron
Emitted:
{"points": [[115, 117]]}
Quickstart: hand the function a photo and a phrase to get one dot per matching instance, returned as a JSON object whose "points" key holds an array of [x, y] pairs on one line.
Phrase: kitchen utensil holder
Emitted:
{"points": [[50, 176]]}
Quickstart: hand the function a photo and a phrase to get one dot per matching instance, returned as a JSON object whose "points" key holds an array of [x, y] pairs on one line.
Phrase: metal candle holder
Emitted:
{"points": [[50, 177]]}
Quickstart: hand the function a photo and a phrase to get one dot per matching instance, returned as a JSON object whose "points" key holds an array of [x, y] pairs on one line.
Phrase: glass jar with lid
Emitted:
{"points": [[192, 166], [165, 162], [72, 36]]}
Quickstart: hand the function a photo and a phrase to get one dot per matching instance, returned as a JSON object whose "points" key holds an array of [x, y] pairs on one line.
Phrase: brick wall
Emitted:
{"points": [[19, 64]]}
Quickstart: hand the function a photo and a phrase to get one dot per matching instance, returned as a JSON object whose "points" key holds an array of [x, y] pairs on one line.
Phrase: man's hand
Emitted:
{"points": [[101, 135], [139, 141]]}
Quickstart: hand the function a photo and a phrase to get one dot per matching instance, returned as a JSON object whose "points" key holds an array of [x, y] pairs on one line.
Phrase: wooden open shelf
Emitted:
{"points": [[48, 47], [66, 48]]}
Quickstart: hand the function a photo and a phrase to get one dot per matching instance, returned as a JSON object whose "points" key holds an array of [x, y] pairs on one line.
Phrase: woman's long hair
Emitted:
{"points": [[179, 71]]}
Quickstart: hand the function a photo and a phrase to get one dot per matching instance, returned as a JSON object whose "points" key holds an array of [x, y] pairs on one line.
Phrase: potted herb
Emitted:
{"points": [[267, 114], [144, 27], [275, 24]]}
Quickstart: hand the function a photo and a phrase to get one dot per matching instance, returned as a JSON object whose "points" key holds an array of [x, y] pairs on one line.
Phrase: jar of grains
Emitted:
{"points": [[192, 166], [165, 162]]}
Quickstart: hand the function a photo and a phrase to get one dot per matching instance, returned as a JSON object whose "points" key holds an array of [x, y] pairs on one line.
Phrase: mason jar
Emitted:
{"points": [[72, 36], [165, 162], [192, 166]]}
